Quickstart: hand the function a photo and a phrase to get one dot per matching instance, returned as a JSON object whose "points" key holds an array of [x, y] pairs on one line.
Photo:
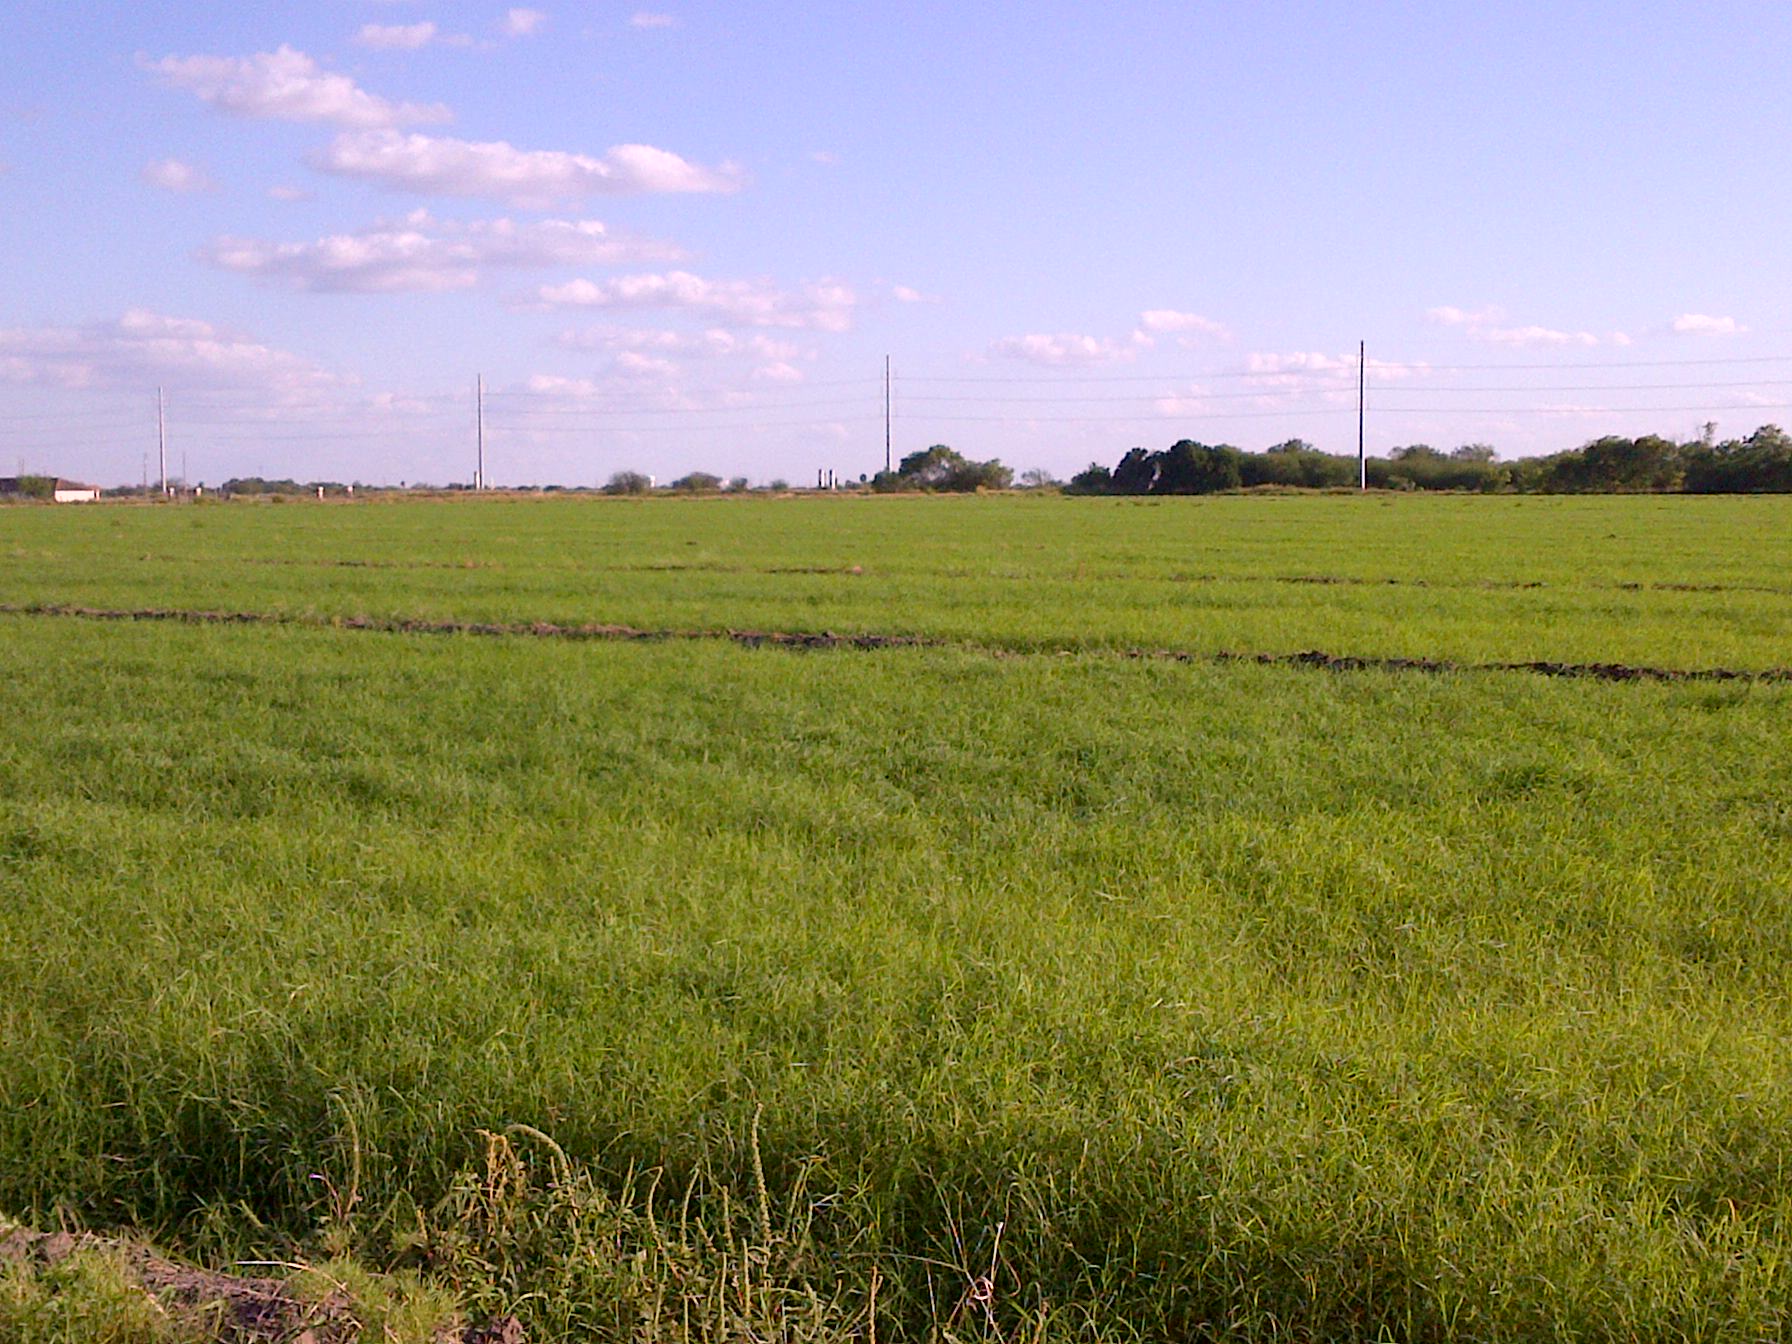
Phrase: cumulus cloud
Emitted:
{"points": [[1483, 325], [532, 178], [1061, 349], [173, 175], [643, 18], [636, 364], [713, 343], [1703, 324], [287, 85], [822, 306], [1534, 336], [1301, 361], [908, 294], [142, 348], [1167, 321], [1307, 369], [422, 254], [522, 22], [288, 193], [1449, 316], [395, 36]]}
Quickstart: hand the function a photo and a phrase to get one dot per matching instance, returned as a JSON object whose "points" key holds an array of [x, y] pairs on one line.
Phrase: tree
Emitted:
{"points": [[1473, 452], [943, 468], [930, 468], [1093, 479], [1037, 478], [628, 483], [1135, 473], [697, 483], [1191, 468]]}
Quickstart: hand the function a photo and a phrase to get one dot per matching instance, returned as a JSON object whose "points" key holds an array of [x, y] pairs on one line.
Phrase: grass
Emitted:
{"points": [[1059, 997], [1675, 582]]}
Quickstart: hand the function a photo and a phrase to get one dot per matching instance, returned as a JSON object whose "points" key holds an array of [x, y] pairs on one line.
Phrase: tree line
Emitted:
{"points": [[1758, 464]]}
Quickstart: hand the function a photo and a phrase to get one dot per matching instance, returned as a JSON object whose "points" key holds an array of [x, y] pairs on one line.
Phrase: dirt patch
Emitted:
{"points": [[827, 639], [231, 1308]]}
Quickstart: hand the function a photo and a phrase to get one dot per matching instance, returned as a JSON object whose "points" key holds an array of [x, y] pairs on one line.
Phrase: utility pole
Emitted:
{"points": [[1362, 383], [162, 440], [479, 419], [886, 414]]}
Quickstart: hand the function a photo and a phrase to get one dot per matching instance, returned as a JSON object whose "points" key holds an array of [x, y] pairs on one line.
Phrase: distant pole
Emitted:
{"points": [[886, 414], [479, 420], [1362, 383], [162, 440]]}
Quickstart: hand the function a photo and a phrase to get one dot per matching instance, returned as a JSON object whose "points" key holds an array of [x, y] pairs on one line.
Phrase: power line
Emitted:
{"points": [[1131, 420], [680, 410], [1341, 369]]}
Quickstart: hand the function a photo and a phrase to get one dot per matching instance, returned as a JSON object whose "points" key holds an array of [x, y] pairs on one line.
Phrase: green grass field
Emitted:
{"points": [[1004, 987]]}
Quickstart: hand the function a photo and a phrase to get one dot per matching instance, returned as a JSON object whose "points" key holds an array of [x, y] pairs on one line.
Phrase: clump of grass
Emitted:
{"points": [[90, 1296], [526, 1232]]}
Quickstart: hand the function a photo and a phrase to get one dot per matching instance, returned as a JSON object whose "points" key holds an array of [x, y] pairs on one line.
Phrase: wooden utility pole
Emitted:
{"points": [[162, 440], [479, 422], [886, 413], [1362, 383]]}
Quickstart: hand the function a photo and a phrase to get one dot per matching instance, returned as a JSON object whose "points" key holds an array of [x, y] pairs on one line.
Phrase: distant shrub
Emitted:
{"points": [[628, 483]]}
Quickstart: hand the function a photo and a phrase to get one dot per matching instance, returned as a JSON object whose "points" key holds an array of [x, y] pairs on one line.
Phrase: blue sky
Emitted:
{"points": [[684, 236]]}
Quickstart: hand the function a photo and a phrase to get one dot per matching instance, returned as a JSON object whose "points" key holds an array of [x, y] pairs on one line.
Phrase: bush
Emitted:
{"points": [[628, 483]]}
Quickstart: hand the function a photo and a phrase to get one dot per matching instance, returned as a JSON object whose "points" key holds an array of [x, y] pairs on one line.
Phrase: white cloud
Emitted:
{"points": [[825, 157], [1533, 336], [395, 36], [286, 85], [1167, 321], [714, 343], [535, 178], [554, 384], [1480, 325], [635, 363], [1298, 362], [1192, 402], [779, 372], [1058, 349], [1703, 324], [1312, 370], [288, 193], [908, 294], [522, 22], [1463, 317], [143, 348], [176, 176], [643, 18], [422, 254], [822, 306]]}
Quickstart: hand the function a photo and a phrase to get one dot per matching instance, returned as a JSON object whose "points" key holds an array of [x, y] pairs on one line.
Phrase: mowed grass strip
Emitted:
{"points": [[1244, 1002], [1677, 583]]}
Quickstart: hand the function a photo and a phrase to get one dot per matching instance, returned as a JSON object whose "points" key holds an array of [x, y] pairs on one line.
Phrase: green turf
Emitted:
{"points": [[1674, 582], [1200, 1000]]}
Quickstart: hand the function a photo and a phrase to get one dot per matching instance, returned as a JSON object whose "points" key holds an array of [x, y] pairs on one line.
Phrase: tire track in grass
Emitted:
{"points": [[858, 571], [827, 639]]}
